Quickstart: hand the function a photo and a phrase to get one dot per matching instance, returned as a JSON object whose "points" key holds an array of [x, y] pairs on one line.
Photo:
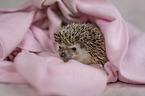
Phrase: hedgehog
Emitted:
{"points": [[83, 42]]}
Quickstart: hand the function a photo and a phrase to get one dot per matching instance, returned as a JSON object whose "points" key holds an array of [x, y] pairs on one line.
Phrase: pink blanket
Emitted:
{"points": [[29, 31]]}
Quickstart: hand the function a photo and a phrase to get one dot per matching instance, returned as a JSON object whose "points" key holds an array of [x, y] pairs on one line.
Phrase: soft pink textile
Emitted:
{"points": [[37, 63]]}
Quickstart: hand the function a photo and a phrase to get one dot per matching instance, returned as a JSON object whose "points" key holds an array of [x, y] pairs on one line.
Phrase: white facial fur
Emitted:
{"points": [[74, 52]]}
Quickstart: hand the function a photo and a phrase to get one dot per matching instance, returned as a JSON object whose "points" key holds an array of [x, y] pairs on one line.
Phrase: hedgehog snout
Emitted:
{"points": [[62, 55]]}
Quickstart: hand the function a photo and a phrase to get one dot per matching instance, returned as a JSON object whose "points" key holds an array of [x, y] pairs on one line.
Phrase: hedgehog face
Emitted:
{"points": [[67, 52], [71, 52]]}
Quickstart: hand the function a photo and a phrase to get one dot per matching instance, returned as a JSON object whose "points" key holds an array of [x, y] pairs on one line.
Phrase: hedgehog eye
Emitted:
{"points": [[60, 47], [74, 48]]}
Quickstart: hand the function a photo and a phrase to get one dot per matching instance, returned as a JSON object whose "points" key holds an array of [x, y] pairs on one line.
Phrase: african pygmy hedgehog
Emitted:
{"points": [[83, 42]]}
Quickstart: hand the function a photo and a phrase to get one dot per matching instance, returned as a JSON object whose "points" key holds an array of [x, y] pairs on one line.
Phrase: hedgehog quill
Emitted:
{"points": [[83, 42]]}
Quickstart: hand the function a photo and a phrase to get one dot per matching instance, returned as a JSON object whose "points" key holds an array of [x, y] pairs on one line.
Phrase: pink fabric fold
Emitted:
{"points": [[13, 29], [28, 32], [51, 76], [9, 75]]}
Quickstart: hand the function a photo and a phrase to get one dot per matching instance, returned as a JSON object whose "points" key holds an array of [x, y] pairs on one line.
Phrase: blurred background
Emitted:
{"points": [[131, 10]]}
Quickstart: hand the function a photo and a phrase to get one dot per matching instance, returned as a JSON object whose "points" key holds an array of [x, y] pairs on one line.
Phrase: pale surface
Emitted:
{"points": [[112, 90], [131, 10]]}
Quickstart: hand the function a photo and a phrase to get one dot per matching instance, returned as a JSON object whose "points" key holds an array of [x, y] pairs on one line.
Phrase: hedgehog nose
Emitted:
{"points": [[62, 54]]}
